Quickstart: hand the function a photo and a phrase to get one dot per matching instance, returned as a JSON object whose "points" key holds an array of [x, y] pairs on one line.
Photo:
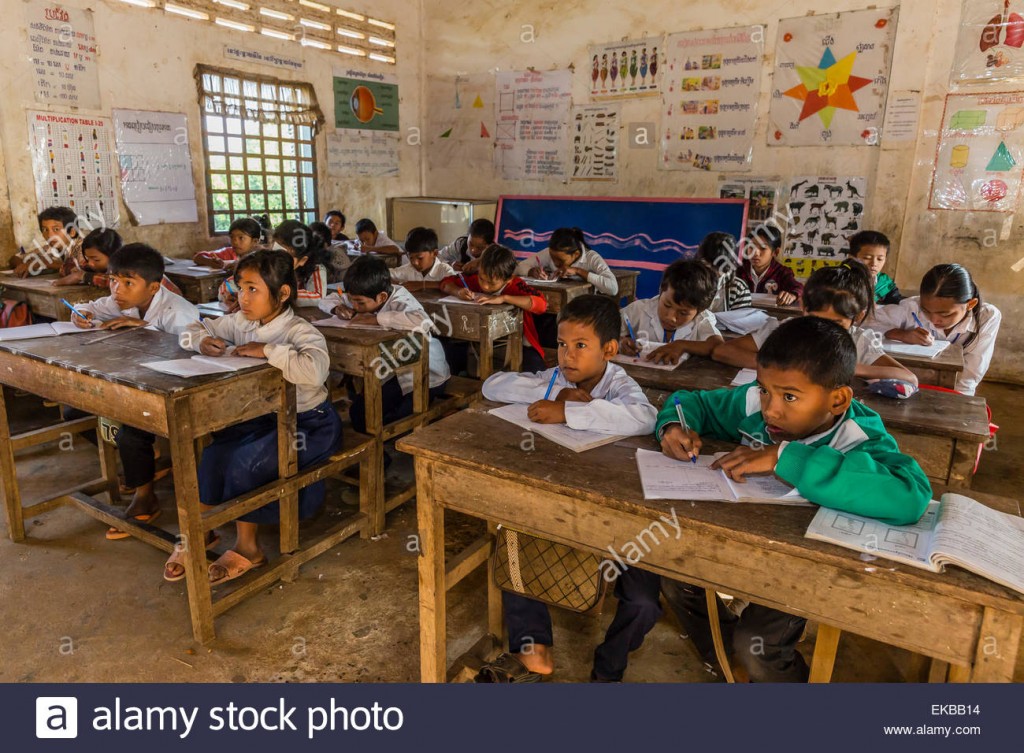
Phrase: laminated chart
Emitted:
{"points": [[531, 123]]}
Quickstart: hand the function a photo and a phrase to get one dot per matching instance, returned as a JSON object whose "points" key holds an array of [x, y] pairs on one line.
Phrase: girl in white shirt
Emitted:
{"points": [[948, 308], [567, 255], [310, 258], [244, 456]]}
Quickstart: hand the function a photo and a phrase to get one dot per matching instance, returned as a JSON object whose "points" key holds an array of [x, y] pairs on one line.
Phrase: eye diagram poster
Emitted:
{"points": [[709, 99], [156, 166], [62, 46], [365, 101], [825, 210], [831, 77], [73, 165], [990, 46], [595, 142], [531, 122], [980, 155], [625, 69]]}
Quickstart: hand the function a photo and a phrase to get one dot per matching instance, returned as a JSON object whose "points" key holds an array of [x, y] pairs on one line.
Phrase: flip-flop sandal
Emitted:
{"points": [[178, 558], [234, 566], [116, 534], [508, 669]]}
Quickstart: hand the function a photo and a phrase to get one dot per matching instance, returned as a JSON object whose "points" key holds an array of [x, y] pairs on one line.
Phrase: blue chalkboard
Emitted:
{"points": [[641, 234]]}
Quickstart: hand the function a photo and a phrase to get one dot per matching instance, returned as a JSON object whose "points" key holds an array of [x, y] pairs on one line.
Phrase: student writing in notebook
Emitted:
{"points": [[464, 253], [424, 269], [372, 240], [586, 391], [800, 422]]}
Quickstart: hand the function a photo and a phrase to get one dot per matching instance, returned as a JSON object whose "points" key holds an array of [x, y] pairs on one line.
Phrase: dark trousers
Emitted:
{"points": [[395, 405], [529, 622], [67, 413], [533, 361], [762, 639], [137, 457], [456, 353], [547, 329]]}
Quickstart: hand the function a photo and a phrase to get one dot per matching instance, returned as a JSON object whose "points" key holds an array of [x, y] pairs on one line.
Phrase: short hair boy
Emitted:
{"points": [[424, 268]]}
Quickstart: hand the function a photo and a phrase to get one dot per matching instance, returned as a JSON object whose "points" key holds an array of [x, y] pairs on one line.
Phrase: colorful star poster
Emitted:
{"points": [[831, 76], [990, 46]]}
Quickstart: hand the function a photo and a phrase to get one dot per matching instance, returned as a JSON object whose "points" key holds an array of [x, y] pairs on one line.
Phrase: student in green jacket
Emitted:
{"points": [[871, 248], [800, 422]]}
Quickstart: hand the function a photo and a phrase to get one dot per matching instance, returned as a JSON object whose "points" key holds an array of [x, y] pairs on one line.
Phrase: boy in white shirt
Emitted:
{"points": [[587, 392], [372, 240], [425, 269]]}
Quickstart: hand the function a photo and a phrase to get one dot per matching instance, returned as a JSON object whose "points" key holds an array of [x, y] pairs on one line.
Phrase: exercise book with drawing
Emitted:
{"points": [[573, 439], [51, 329], [663, 477], [955, 530]]}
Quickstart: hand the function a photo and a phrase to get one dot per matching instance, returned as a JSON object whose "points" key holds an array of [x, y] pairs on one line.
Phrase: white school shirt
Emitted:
{"points": [[383, 240], [408, 273], [977, 355], [402, 311], [643, 315], [167, 312], [867, 342], [618, 406], [599, 274], [292, 344], [452, 253]]}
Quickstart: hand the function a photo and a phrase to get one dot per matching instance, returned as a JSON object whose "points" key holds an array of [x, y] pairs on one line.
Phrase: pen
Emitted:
{"points": [[75, 311], [629, 328], [682, 421], [918, 321], [551, 384]]}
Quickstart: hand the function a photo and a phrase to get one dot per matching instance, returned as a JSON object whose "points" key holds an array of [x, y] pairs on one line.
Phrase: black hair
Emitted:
{"points": [[693, 282], [954, 281], [420, 239], [819, 348], [846, 288], [867, 238], [302, 242], [568, 240], [324, 232], [768, 235], [368, 277], [498, 262], [482, 229], [138, 259], [719, 250], [64, 215], [335, 213], [103, 239], [248, 225], [597, 311], [276, 268], [265, 226], [365, 226]]}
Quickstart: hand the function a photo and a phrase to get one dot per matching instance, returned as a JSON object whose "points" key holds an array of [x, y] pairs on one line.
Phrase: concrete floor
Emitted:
{"points": [[78, 608]]}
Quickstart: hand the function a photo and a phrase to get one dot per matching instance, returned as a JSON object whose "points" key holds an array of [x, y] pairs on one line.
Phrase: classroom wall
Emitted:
{"points": [[485, 36], [146, 59]]}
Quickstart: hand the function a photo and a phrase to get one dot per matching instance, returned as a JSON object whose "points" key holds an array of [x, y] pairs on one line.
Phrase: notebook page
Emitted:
{"points": [[663, 477], [984, 540]]}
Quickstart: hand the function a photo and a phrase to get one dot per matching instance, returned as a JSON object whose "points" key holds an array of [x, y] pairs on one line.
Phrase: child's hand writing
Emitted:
{"points": [[915, 336], [83, 321], [124, 322], [785, 298], [537, 273], [679, 444], [21, 269], [466, 294], [670, 353], [76, 276], [628, 347], [212, 346], [573, 395], [547, 412], [344, 312], [744, 460], [252, 350]]}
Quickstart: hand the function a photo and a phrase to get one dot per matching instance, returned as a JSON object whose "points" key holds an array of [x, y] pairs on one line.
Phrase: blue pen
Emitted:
{"points": [[551, 384], [463, 281], [629, 328], [682, 421], [75, 311]]}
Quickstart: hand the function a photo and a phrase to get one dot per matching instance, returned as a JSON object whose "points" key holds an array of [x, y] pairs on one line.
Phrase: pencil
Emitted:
{"points": [[686, 427]]}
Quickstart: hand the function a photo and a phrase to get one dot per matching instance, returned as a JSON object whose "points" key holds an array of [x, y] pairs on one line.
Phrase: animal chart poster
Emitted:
{"points": [[990, 46], [709, 99], [532, 122], [625, 69], [825, 211], [980, 155], [831, 77], [595, 142], [73, 164]]}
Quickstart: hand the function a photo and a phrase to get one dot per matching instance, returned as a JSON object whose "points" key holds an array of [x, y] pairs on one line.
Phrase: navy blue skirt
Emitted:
{"points": [[244, 456]]}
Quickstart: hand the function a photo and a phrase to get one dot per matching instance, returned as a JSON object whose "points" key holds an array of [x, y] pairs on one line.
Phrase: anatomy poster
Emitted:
{"points": [[980, 155], [73, 164], [831, 76], [594, 130], [990, 46], [531, 122], [625, 69], [156, 166], [366, 101], [709, 99], [825, 212], [460, 126]]}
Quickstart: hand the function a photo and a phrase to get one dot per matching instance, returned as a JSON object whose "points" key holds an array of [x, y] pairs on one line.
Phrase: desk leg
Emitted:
{"points": [[9, 477], [190, 522], [961, 468], [108, 467], [486, 365], [515, 350], [495, 615], [998, 643], [432, 597], [825, 648], [373, 397], [421, 379], [288, 442]]}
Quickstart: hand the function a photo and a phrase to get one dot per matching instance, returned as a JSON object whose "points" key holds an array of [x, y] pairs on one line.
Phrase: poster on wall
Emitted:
{"points": [[979, 158], [531, 124], [73, 165], [595, 142], [460, 125], [156, 166], [626, 69], [365, 101], [369, 153], [62, 53], [831, 76], [990, 45], [825, 210], [709, 99], [762, 194]]}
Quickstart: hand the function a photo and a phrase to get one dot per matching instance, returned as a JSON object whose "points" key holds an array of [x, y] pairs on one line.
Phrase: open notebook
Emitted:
{"points": [[955, 530], [573, 439], [337, 321], [895, 348], [203, 365], [646, 348], [741, 321], [663, 477], [42, 330], [456, 299]]}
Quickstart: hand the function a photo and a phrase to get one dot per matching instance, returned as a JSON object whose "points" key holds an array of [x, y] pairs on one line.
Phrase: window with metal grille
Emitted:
{"points": [[259, 147]]}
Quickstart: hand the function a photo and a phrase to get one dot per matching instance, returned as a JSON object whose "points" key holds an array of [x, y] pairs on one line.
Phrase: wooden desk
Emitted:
{"points": [[779, 312], [941, 430], [43, 298], [212, 310], [197, 285], [559, 292], [574, 499], [103, 377], [627, 284], [391, 260], [482, 325]]}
